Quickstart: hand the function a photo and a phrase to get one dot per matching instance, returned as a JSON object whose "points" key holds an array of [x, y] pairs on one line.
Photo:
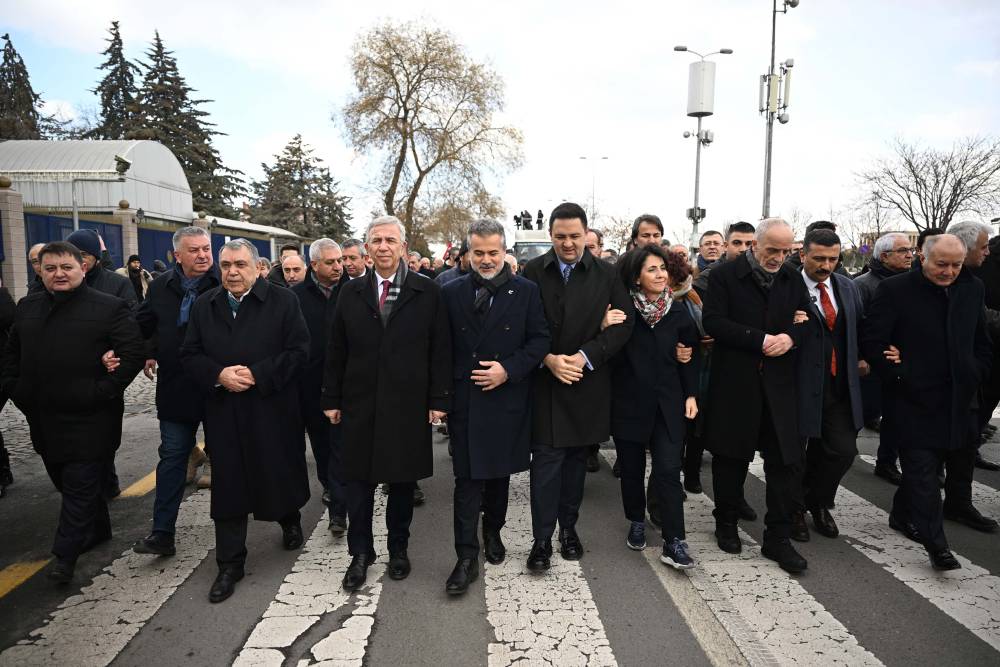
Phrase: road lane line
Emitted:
{"points": [[16, 574], [544, 619], [971, 595], [312, 591], [92, 627], [141, 487]]}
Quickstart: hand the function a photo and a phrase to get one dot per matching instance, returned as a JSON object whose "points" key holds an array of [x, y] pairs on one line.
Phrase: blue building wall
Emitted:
{"points": [[40, 228]]}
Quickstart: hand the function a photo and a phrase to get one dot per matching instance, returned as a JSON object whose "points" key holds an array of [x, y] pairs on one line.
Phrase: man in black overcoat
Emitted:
{"points": [[499, 337], [317, 295], [53, 373], [180, 402], [830, 404], [571, 405], [750, 312], [388, 378], [246, 345], [926, 336]]}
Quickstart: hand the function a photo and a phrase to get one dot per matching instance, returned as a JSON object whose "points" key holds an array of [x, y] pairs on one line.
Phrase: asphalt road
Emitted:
{"points": [[869, 597]]}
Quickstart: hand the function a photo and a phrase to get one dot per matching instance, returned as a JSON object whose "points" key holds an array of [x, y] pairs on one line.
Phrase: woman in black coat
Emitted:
{"points": [[652, 395]]}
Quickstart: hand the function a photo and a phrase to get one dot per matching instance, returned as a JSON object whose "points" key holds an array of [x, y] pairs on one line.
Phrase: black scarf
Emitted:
{"points": [[486, 289], [763, 279]]}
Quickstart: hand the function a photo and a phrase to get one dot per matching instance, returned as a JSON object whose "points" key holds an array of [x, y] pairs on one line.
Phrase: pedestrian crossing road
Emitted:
{"points": [[868, 597]]}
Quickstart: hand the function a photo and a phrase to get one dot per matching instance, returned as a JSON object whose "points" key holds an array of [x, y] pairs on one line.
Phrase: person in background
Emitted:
{"points": [[293, 268], [710, 248], [7, 311], [277, 274], [595, 242], [739, 237], [36, 283], [138, 276], [610, 256], [159, 268], [437, 266], [460, 269], [354, 255], [647, 228], [512, 262], [681, 251], [264, 267], [413, 261]]}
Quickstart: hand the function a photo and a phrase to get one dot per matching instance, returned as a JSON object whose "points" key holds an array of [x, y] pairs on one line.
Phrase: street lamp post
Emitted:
{"points": [[593, 186], [770, 83], [701, 99]]}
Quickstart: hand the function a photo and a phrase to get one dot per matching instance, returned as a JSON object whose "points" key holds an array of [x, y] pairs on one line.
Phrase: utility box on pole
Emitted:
{"points": [[701, 89]]}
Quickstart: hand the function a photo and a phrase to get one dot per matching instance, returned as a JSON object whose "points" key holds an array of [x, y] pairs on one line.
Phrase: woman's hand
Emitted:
{"points": [[612, 317], [691, 407], [683, 353]]}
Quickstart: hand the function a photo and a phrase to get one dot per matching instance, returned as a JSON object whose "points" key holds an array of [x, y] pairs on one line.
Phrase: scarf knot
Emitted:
{"points": [[487, 288], [652, 310]]}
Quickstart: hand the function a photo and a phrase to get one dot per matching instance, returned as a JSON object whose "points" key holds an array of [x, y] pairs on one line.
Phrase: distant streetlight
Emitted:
{"points": [[770, 83], [701, 103], [593, 185]]}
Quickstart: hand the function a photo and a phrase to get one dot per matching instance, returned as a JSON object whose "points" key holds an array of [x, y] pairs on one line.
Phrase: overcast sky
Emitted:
{"points": [[583, 78]]}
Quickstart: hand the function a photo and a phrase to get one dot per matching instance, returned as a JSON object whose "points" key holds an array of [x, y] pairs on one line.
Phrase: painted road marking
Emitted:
{"points": [[16, 574], [140, 488]]}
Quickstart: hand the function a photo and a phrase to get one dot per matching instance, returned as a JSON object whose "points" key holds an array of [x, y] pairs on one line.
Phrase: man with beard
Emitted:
{"points": [[138, 276], [245, 346], [499, 337]]}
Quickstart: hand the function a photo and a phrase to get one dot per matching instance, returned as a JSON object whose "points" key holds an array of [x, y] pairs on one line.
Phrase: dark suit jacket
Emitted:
{"points": [[385, 379], [318, 312], [929, 400], [491, 430], [737, 314], [578, 414]]}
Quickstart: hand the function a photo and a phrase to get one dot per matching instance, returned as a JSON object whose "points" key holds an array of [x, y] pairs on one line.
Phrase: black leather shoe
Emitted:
{"points": [[823, 520], [418, 496], [728, 536], [291, 536], [874, 424], [62, 571], [539, 558], [159, 544], [493, 548], [225, 584], [616, 469], [338, 525], [747, 513], [983, 464], [399, 565], [800, 531], [466, 571], [905, 527], [593, 465], [943, 560], [784, 554], [971, 517], [692, 483], [570, 547], [357, 572], [889, 473]]}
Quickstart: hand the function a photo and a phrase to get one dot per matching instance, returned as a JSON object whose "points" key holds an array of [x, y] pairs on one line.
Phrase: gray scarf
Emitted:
{"points": [[763, 279], [397, 286]]}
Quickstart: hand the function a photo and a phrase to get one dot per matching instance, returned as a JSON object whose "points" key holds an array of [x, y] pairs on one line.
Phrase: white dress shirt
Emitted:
{"points": [[378, 284], [814, 293]]}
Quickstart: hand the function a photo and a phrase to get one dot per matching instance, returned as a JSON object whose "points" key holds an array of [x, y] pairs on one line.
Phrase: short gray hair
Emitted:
{"points": [[318, 246], [767, 225], [486, 227], [355, 243], [386, 220], [414, 253], [968, 232], [184, 232], [239, 244], [932, 241], [885, 242]]}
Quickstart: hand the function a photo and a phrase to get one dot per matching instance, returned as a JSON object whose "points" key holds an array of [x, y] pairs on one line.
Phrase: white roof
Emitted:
{"points": [[45, 171], [251, 227]]}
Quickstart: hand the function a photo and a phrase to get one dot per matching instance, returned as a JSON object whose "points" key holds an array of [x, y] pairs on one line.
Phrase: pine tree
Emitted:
{"points": [[297, 193], [164, 111], [20, 115], [117, 90]]}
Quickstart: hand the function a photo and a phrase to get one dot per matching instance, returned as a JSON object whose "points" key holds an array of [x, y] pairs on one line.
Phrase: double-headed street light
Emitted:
{"points": [[770, 102], [701, 103]]}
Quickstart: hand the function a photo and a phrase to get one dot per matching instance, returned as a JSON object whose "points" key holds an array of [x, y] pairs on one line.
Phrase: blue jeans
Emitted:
{"points": [[177, 439]]}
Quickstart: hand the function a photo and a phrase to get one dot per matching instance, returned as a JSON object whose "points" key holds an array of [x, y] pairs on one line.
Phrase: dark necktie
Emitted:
{"points": [[568, 269], [384, 295], [831, 319]]}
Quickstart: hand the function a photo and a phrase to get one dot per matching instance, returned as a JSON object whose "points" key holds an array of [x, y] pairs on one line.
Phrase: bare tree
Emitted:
{"points": [[798, 219], [866, 219], [929, 187], [617, 232], [450, 210], [426, 110]]}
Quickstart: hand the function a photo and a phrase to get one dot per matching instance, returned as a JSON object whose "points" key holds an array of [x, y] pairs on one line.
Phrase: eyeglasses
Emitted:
{"points": [[903, 251]]}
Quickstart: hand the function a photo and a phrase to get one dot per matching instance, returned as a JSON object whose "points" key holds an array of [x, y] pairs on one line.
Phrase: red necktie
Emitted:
{"points": [[384, 295], [831, 320]]}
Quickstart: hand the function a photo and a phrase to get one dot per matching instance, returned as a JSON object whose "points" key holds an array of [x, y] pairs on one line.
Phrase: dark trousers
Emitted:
{"points": [[317, 426], [470, 495], [783, 483], [829, 457], [557, 478], [83, 518], [177, 439], [231, 539], [871, 396], [665, 479], [361, 510], [919, 496]]}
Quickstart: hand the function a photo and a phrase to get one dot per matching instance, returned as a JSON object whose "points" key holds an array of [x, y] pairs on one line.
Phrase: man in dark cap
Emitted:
{"points": [[138, 276], [460, 269]]}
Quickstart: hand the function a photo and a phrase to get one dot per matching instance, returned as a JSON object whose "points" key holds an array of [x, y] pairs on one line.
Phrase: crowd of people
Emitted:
{"points": [[757, 344]]}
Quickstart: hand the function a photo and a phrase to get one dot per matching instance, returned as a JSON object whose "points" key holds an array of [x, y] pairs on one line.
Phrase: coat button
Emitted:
{"points": [[474, 355], [506, 327], [463, 328], [747, 331]]}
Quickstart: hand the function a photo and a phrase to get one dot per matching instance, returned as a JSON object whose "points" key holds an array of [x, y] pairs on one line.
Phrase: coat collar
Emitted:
{"points": [[501, 302], [586, 260], [174, 281], [412, 283]]}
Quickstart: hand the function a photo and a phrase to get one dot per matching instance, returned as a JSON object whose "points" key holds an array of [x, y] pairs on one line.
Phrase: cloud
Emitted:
{"points": [[979, 68]]}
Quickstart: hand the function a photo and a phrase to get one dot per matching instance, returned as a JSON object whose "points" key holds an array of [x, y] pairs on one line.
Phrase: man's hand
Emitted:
{"points": [[892, 354], [683, 353], [560, 366], [110, 361], [245, 373], [232, 379], [707, 342], [775, 346], [612, 316], [435, 417], [491, 377], [691, 407], [333, 416], [800, 317], [863, 368], [149, 370]]}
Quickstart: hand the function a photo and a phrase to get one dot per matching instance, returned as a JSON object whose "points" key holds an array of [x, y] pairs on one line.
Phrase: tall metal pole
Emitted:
{"points": [[769, 133], [696, 218]]}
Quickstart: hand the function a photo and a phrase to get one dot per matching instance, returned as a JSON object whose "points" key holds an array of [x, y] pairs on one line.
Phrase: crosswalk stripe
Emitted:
{"points": [[971, 596], [140, 487], [310, 592], [91, 628], [550, 618]]}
